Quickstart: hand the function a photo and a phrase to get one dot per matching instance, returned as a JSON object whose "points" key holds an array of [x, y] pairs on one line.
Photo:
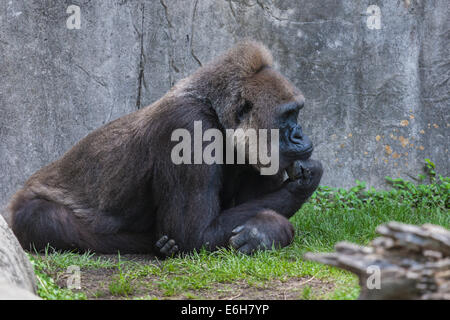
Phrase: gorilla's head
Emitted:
{"points": [[270, 101], [246, 92]]}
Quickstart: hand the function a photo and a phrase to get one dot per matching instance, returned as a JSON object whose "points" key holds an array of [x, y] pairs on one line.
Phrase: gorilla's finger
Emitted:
{"points": [[166, 248], [237, 229], [291, 172], [307, 173], [238, 240], [173, 250], [307, 176], [254, 233], [246, 249], [264, 245], [161, 242]]}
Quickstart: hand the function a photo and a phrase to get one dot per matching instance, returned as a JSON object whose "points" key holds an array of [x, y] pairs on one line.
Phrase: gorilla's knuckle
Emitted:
{"points": [[254, 233]]}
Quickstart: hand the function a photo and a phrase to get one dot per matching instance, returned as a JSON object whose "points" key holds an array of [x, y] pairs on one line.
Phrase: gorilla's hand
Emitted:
{"points": [[261, 232], [166, 246], [304, 176]]}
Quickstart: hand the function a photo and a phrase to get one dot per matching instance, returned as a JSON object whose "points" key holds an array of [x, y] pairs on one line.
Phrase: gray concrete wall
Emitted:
{"points": [[377, 90]]}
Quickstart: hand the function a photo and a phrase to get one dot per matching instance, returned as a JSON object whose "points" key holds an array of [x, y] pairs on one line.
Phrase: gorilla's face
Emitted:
{"points": [[294, 144], [270, 101]]}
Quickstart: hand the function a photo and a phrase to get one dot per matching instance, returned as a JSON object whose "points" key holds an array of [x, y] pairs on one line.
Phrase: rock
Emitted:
{"points": [[412, 262], [17, 279], [9, 291]]}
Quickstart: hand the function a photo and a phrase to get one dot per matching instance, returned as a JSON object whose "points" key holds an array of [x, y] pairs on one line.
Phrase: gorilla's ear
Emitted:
{"points": [[249, 57], [243, 110]]}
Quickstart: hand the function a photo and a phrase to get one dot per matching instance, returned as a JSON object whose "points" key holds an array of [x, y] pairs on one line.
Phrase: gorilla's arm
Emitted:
{"points": [[305, 180], [257, 223], [262, 222]]}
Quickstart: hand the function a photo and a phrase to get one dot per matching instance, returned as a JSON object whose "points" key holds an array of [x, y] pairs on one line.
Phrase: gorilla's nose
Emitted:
{"points": [[296, 135]]}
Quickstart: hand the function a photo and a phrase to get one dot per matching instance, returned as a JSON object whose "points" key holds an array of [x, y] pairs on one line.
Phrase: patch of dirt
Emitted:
{"points": [[291, 289], [140, 258], [95, 284]]}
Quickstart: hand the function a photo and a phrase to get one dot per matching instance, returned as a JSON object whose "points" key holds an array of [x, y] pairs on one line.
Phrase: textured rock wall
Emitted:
{"points": [[375, 78], [17, 280]]}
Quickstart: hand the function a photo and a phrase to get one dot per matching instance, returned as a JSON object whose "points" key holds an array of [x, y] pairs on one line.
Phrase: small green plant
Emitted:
{"points": [[430, 170], [432, 195], [121, 284], [306, 293]]}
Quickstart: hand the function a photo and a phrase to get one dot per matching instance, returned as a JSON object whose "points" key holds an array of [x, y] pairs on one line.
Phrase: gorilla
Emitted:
{"points": [[119, 190]]}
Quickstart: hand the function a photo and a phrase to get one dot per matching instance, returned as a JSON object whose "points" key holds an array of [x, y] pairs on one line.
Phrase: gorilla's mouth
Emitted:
{"points": [[301, 169], [291, 172], [305, 155]]}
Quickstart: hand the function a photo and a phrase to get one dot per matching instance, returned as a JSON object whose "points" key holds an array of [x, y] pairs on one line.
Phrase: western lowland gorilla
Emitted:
{"points": [[118, 189]]}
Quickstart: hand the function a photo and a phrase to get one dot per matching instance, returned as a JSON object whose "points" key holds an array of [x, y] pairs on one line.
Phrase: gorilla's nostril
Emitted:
{"points": [[296, 135]]}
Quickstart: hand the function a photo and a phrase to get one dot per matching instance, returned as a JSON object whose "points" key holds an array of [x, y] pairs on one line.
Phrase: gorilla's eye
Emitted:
{"points": [[292, 114], [289, 111], [243, 110]]}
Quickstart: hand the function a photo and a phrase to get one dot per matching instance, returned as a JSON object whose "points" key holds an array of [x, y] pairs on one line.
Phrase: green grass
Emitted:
{"points": [[47, 288], [52, 263], [203, 270], [332, 215], [55, 260], [121, 284]]}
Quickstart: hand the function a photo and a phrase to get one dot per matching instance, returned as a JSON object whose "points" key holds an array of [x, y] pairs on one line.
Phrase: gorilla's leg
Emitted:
{"points": [[38, 223]]}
